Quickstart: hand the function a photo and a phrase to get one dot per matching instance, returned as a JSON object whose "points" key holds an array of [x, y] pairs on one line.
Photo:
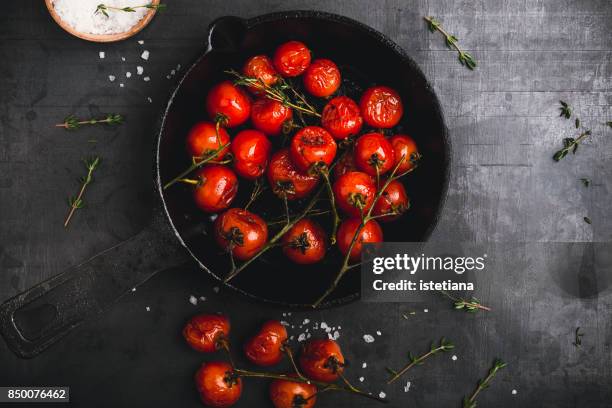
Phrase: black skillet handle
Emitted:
{"points": [[35, 319]]}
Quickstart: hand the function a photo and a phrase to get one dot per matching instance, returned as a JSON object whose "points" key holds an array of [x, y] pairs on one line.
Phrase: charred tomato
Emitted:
{"points": [[341, 117], [202, 140], [305, 243], [322, 78], [322, 360], [216, 188], [241, 232], [393, 201], [292, 394], [312, 145], [261, 68], [291, 58], [228, 104], [405, 151], [381, 107], [286, 180], [266, 347], [354, 192], [218, 385], [251, 150], [370, 233], [374, 152], [269, 116], [205, 331]]}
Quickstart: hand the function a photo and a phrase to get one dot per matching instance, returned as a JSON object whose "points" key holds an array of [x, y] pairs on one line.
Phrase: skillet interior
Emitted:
{"points": [[366, 58]]}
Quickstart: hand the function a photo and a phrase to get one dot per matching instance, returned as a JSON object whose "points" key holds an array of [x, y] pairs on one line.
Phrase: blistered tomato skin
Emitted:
{"points": [[381, 107], [322, 360], [312, 145], [406, 151], [373, 151], [292, 58], [242, 232], [322, 78], [341, 117], [370, 233], [269, 116], [292, 394], [286, 180], [216, 189], [393, 200], [218, 385], [251, 150], [261, 68], [354, 192], [266, 347], [305, 243], [203, 332], [202, 140], [229, 104]]}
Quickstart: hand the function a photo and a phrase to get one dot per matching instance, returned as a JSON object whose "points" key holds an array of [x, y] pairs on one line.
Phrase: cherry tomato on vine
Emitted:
{"points": [[203, 332], [228, 104], [292, 394], [265, 348], [242, 232], [341, 117], [251, 150], [202, 140], [373, 151], [219, 386], [260, 67], [285, 179], [370, 233], [322, 78], [305, 243], [354, 192], [291, 58], [393, 200], [322, 360], [216, 189], [405, 147], [269, 116], [312, 145], [381, 107]]}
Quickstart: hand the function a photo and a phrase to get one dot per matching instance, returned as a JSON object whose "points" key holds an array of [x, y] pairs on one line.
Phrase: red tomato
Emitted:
{"points": [[370, 233], [265, 348], [202, 140], [269, 116], [373, 151], [251, 150], [341, 117], [260, 67], [405, 147], [322, 78], [345, 164], [241, 231], [286, 180], [393, 200], [229, 104], [381, 107], [292, 394], [217, 188], [305, 242], [218, 385], [312, 145], [203, 332], [292, 58], [354, 191], [322, 360]]}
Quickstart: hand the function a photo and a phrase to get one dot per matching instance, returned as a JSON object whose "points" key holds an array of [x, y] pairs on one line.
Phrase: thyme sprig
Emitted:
{"points": [[196, 164], [473, 305], [570, 145], [443, 346], [451, 42], [470, 402], [566, 112], [104, 9], [577, 337], [72, 122], [76, 203]]}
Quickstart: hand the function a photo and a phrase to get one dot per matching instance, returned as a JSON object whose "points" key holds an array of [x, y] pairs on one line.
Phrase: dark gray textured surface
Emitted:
{"points": [[504, 127]]}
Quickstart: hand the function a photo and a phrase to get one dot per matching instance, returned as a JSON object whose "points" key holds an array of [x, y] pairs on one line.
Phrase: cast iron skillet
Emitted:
{"points": [[35, 319]]}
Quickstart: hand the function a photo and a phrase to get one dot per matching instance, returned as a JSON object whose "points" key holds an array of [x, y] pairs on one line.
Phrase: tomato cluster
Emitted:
{"points": [[219, 383], [355, 138]]}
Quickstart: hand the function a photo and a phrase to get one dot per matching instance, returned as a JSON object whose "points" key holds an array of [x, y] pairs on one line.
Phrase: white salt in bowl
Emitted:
{"points": [[110, 37]]}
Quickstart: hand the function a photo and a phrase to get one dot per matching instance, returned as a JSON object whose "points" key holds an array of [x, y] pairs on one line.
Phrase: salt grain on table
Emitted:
{"points": [[128, 74], [361, 379], [364, 365], [101, 54], [382, 395], [145, 55], [148, 308], [140, 42], [407, 386], [121, 85], [193, 300], [454, 358], [368, 338], [216, 289], [139, 70], [123, 59], [146, 79], [81, 15], [514, 392], [111, 78], [151, 101]]}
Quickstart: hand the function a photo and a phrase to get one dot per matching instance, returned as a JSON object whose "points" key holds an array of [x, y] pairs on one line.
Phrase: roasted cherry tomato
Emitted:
{"points": [[292, 394], [251, 150], [265, 348], [202, 140], [228, 104], [269, 116], [285, 179], [216, 189], [312, 145], [341, 117], [345, 164], [219, 386], [292, 58], [204, 332], [393, 200], [322, 360], [322, 78], [370, 233], [405, 147], [373, 151], [242, 232], [260, 67], [381, 107], [354, 192], [305, 242]]}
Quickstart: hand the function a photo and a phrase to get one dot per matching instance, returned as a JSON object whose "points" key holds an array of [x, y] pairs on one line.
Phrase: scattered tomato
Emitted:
{"points": [[341, 117], [381, 107], [373, 151], [406, 148], [312, 145], [251, 150], [265, 348], [203, 332], [354, 192], [228, 104], [269, 116], [305, 242], [393, 200], [218, 385], [216, 189], [242, 232], [292, 394], [202, 140], [322, 78], [322, 360], [261, 68], [370, 233], [292, 58], [286, 180]]}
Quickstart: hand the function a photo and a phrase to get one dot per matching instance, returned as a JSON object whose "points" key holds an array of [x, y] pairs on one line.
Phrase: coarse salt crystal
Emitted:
{"points": [[148, 308], [514, 392], [145, 55], [382, 395], [123, 59], [364, 365], [128, 74], [81, 15], [454, 358], [202, 298], [378, 333], [193, 300], [302, 337], [407, 386], [361, 379], [425, 310], [133, 289], [216, 289], [139, 70], [368, 338], [121, 85], [111, 78], [306, 321], [324, 326], [140, 42], [101, 54]]}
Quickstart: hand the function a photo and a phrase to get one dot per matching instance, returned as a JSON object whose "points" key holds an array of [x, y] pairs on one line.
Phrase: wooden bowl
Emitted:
{"points": [[103, 37]]}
